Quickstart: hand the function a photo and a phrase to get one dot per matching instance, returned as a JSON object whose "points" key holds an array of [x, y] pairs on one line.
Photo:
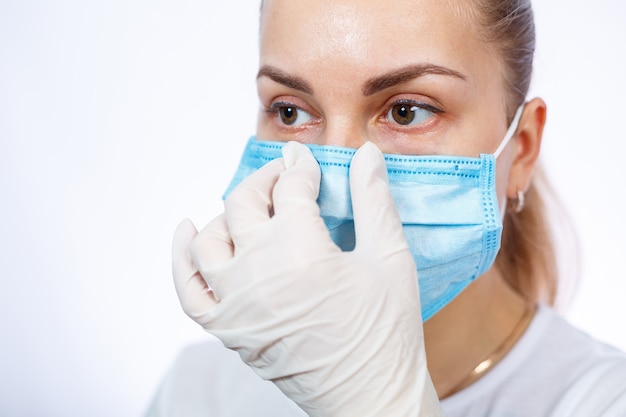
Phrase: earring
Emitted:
{"points": [[516, 205]]}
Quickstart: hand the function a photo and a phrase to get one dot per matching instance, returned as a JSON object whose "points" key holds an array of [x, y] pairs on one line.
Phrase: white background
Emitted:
{"points": [[119, 118]]}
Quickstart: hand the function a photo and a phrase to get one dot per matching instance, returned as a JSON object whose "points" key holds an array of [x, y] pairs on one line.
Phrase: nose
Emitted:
{"points": [[345, 131]]}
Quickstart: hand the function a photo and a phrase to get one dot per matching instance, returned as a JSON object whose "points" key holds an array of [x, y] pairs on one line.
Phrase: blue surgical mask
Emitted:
{"points": [[447, 204]]}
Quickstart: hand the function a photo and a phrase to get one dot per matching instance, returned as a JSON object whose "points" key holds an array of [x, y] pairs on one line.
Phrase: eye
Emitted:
{"points": [[291, 115], [410, 113]]}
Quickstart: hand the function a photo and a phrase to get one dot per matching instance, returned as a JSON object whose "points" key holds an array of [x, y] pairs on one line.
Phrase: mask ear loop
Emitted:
{"points": [[511, 131]]}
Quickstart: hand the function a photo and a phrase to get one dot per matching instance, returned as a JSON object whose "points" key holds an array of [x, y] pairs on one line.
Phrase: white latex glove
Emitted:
{"points": [[340, 333]]}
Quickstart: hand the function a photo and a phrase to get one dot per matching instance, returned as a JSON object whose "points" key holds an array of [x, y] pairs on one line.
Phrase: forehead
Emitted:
{"points": [[359, 35]]}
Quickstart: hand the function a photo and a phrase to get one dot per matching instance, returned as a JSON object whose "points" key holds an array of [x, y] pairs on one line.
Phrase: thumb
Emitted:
{"points": [[377, 224]]}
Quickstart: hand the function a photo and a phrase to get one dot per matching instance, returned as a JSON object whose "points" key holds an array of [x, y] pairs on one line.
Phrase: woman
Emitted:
{"points": [[441, 79]]}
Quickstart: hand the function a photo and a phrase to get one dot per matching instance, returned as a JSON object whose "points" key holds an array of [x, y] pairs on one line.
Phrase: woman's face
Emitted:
{"points": [[409, 75]]}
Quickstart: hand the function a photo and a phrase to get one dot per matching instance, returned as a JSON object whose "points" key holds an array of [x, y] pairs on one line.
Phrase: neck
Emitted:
{"points": [[469, 329]]}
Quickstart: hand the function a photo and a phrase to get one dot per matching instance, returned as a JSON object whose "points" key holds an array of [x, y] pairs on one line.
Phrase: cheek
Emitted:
{"points": [[264, 127], [503, 169]]}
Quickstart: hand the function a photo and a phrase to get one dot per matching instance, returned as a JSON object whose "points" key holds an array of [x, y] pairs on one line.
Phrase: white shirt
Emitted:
{"points": [[554, 370]]}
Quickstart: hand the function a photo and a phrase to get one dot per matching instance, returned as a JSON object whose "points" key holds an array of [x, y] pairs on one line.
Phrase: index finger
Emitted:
{"points": [[250, 203]]}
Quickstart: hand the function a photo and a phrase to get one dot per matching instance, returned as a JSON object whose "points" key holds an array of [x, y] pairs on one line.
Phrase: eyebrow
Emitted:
{"points": [[285, 79], [371, 86], [408, 73]]}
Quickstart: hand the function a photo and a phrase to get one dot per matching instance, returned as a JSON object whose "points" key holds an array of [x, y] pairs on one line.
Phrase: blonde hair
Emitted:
{"points": [[528, 255]]}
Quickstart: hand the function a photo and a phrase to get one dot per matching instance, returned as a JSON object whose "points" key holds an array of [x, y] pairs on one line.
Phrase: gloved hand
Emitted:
{"points": [[339, 333]]}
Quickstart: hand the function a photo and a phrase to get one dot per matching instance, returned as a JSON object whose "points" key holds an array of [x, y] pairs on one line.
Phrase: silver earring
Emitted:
{"points": [[517, 204]]}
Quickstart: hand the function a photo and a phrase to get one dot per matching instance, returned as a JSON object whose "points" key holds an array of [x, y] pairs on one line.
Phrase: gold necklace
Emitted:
{"points": [[497, 355]]}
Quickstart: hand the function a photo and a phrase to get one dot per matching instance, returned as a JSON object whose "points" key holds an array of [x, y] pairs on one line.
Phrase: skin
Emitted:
{"points": [[337, 68]]}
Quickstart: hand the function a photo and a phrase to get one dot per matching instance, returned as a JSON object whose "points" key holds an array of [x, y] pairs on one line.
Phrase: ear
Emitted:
{"points": [[527, 145]]}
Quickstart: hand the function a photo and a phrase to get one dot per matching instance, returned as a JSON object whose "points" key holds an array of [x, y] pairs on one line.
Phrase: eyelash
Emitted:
{"points": [[420, 104], [275, 107]]}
